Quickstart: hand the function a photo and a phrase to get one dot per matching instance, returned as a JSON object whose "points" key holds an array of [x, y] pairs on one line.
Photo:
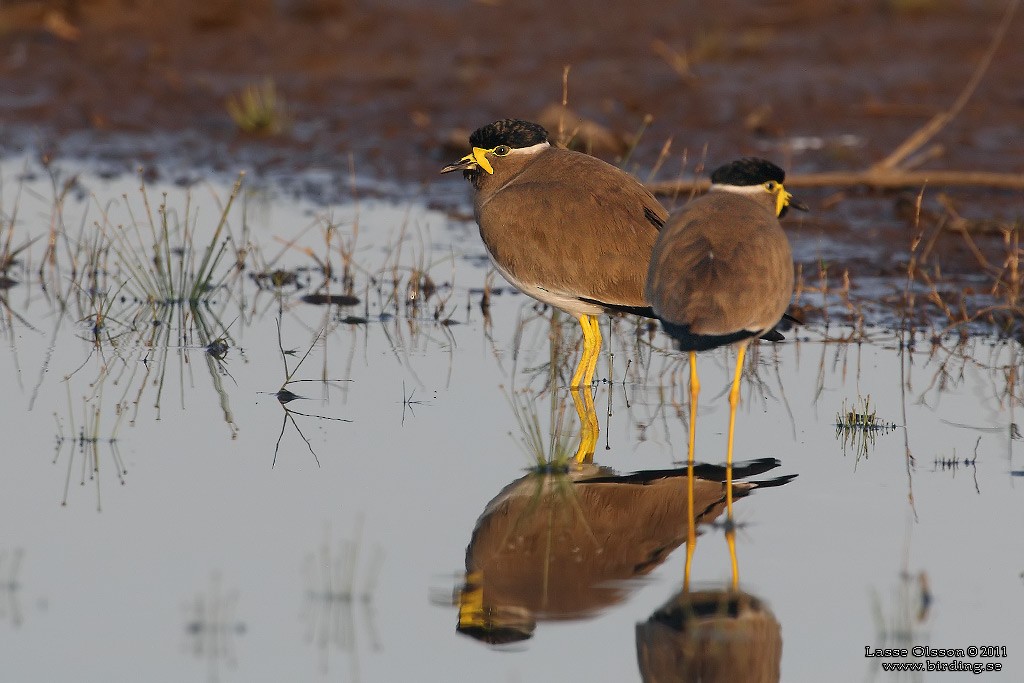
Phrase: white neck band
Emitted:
{"points": [[532, 149], [741, 189]]}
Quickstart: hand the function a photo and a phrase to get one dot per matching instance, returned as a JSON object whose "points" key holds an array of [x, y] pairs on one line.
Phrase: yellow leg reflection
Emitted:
{"points": [[734, 401], [691, 522], [590, 428], [730, 539], [691, 527]]}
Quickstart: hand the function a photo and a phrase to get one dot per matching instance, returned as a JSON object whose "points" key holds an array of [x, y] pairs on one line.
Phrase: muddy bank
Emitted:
{"points": [[391, 89], [390, 81]]}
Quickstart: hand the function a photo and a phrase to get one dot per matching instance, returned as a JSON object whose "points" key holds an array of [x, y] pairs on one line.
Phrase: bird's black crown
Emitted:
{"points": [[747, 171], [512, 132]]}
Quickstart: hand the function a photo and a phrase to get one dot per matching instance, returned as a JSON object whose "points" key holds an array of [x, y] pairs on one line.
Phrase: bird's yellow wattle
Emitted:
{"points": [[781, 200], [479, 155]]}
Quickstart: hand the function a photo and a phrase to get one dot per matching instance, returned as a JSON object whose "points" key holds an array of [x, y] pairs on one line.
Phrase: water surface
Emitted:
{"points": [[166, 519]]}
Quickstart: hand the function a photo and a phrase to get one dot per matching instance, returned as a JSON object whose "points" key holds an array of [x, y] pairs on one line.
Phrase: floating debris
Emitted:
{"points": [[326, 299], [276, 279], [286, 396], [218, 348]]}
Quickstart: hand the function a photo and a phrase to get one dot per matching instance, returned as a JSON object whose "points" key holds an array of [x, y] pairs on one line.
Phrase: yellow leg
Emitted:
{"points": [[581, 368], [590, 427], [691, 521], [734, 401], [595, 352], [584, 375], [694, 392]]}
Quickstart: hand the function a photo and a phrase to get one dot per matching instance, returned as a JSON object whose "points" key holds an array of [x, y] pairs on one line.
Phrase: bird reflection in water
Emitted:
{"points": [[715, 634], [570, 539], [712, 636]]}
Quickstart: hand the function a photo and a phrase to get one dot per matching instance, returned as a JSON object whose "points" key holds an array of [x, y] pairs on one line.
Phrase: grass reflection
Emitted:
{"points": [[285, 396], [10, 586], [212, 627], [86, 445], [333, 598]]}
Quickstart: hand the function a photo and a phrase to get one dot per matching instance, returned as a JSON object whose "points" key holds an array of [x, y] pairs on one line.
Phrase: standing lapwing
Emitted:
{"points": [[564, 227], [722, 272]]}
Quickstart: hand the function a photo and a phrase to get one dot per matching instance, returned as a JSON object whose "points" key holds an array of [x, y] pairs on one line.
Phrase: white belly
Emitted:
{"points": [[560, 300]]}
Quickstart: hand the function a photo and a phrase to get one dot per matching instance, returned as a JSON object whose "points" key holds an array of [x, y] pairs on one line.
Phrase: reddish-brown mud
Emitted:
{"points": [[392, 87]]}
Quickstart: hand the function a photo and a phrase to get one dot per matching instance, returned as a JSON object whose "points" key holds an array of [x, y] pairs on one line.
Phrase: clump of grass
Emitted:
{"points": [[167, 272], [153, 279], [861, 415], [858, 425], [258, 109]]}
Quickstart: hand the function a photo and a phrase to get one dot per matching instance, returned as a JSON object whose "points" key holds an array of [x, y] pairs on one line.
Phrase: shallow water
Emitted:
{"points": [[240, 542]]}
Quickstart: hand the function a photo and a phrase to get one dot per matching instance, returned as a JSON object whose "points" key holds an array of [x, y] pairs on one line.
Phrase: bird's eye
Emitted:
{"points": [[771, 186], [502, 150]]}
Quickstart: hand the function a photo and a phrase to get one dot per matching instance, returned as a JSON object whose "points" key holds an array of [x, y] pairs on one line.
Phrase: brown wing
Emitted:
{"points": [[574, 224], [721, 266]]}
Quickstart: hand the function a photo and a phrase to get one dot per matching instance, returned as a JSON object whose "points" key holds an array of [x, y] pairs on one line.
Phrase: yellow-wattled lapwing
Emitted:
{"points": [[722, 273], [564, 227]]}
